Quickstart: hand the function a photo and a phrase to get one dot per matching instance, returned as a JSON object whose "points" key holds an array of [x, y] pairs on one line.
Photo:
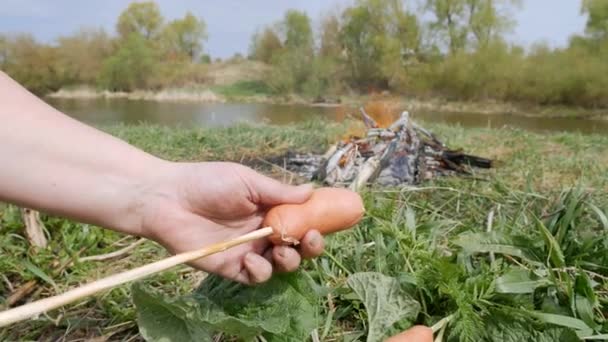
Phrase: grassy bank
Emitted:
{"points": [[414, 235], [241, 91]]}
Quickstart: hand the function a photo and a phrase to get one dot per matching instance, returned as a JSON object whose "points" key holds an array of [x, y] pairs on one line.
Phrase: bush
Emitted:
{"points": [[131, 67], [33, 65], [325, 79], [178, 74], [244, 88], [287, 72], [573, 76]]}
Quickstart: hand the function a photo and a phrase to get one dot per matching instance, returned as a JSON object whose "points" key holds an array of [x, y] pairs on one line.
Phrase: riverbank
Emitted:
{"points": [[532, 171], [256, 92]]}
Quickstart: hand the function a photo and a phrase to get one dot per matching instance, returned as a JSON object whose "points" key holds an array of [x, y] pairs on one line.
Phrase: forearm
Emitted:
{"points": [[56, 164]]}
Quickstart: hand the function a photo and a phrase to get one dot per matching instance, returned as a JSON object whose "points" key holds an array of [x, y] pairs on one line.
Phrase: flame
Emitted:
{"points": [[383, 111], [341, 113], [354, 128]]}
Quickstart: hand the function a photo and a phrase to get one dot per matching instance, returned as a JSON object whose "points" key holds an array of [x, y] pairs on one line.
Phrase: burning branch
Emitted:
{"points": [[404, 153]]}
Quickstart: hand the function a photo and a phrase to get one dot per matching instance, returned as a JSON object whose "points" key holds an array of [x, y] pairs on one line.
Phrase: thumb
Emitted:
{"points": [[268, 191]]}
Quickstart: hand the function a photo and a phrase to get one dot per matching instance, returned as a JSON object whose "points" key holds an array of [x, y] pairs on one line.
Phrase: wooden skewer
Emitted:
{"points": [[26, 311]]}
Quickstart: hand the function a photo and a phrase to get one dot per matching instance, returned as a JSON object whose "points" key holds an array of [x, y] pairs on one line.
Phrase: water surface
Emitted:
{"points": [[110, 111]]}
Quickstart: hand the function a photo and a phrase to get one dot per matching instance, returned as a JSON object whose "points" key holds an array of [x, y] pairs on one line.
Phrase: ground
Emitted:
{"points": [[532, 172]]}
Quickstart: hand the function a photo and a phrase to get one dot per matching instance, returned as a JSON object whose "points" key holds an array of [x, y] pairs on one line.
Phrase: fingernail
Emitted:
{"points": [[281, 252], [314, 242]]}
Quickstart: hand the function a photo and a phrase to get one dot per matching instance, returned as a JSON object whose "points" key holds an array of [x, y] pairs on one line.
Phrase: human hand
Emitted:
{"points": [[417, 333], [198, 204], [182, 206]]}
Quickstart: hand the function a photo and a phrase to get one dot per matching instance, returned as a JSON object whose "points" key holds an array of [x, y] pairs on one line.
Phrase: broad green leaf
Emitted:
{"points": [[561, 320], [407, 278], [509, 326], [496, 242], [584, 286], [280, 310], [602, 337], [552, 246], [585, 310], [585, 300], [161, 320], [384, 302], [518, 280], [510, 333], [600, 214]]}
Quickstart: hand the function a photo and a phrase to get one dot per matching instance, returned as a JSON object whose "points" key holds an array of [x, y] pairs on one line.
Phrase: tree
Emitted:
{"points": [[131, 67], [374, 33], [265, 45], [330, 37], [449, 22], [81, 55], [329, 69], [401, 46], [597, 21], [292, 63], [184, 37], [298, 31], [32, 64], [488, 20], [362, 48], [143, 18], [459, 22]]}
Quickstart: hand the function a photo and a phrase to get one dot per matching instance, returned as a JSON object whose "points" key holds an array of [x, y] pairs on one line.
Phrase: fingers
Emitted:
{"points": [[312, 244], [258, 268], [267, 191], [286, 259]]}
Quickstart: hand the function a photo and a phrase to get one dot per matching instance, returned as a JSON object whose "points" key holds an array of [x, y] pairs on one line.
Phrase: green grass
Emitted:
{"points": [[434, 240], [410, 234], [243, 89]]}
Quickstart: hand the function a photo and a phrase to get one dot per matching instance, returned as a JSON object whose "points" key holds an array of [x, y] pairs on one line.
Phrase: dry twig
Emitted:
{"points": [[34, 228], [115, 254]]}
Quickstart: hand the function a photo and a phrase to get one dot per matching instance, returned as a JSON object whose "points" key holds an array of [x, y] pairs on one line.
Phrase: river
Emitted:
{"points": [[111, 111]]}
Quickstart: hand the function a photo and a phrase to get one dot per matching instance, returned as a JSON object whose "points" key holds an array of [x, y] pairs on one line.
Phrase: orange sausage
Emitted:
{"points": [[328, 210], [418, 333]]}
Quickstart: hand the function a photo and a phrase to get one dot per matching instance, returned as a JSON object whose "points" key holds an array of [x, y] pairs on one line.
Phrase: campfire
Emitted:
{"points": [[403, 153]]}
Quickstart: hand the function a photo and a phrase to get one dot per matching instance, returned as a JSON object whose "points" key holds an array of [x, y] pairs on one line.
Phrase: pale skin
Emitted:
{"points": [[58, 165]]}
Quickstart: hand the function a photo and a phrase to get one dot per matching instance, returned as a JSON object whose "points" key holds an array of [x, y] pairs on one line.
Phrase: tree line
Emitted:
{"points": [[147, 52], [460, 53], [453, 49]]}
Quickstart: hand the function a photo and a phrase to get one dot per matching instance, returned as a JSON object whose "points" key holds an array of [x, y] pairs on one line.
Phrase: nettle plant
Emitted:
{"points": [[516, 266], [287, 308]]}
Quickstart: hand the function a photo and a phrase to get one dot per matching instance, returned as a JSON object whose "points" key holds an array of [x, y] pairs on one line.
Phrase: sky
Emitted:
{"points": [[230, 23]]}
